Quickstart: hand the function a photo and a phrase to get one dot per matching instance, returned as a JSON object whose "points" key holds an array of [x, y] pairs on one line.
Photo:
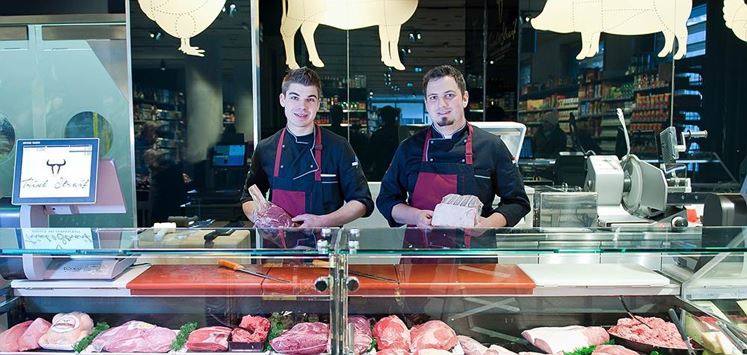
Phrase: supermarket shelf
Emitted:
{"points": [[654, 89], [631, 98], [590, 99], [548, 109], [544, 93], [343, 111]]}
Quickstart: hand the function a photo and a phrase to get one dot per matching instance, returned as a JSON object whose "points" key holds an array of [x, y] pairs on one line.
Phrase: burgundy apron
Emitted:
{"points": [[297, 196], [436, 180]]}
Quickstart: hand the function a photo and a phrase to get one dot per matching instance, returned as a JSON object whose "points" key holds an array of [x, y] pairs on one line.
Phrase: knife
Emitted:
{"points": [[238, 267]]}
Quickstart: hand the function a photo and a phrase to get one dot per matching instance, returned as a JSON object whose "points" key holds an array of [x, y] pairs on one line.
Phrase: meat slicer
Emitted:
{"points": [[629, 190]]}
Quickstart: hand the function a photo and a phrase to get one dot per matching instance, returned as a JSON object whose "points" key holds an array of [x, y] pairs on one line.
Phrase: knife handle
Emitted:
{"points": [[230, 264]]}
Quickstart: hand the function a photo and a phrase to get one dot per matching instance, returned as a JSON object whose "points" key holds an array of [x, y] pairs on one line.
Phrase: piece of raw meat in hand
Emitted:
{"points": [[266, 213], [391, 333], [433, 334], [457, 211]]}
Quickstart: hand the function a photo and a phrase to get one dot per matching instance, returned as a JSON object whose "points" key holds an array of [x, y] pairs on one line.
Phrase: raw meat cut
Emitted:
{"points": [[433, 334], [67, 330], [209, 339], [432, 352], [613, 350], [565, 339], [471, 346], [30, 338], [363, 337], [391, 333], [498, 350], [256, 328], [302, 339], [457, 211], [664, 334], [241, 335], [135, 337], [393, 351], [266, 213], [9, 338]]}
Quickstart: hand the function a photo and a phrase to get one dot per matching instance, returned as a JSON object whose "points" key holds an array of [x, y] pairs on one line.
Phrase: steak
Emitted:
{"points": [[302, 339], [391, 333], [433, 334], [209, 339], [135, 337], [67, 330], [565, 339], [266, 213], [256, 329], [363, 337], [9, 338], [29, 340]]}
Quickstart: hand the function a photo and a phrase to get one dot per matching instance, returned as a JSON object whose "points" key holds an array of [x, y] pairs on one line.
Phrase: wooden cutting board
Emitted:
{"points": [[462, 280], [197, 280]]}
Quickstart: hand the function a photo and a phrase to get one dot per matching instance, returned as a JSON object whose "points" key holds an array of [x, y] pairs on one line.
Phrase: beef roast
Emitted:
{"points": [[391, 333], [209, 339], [565, 339], [457, 211], [302, 339], [363, 337], [9, 338], [433, 334], [135, 337], [29, 340], [256, 329], [267, 214], [67, 330]]}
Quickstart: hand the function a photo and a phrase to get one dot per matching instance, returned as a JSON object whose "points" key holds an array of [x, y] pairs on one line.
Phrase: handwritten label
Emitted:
{"points": [[57, 238]]}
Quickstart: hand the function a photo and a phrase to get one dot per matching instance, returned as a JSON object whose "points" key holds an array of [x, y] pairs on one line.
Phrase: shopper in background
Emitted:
{"points": [[549, 139], [336, 116], [312, 174], [451, 156], [167, 188], [145, 140], [385, 140]]}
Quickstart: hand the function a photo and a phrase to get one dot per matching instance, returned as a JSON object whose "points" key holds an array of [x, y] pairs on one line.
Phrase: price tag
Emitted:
{"points": [[58, 238]]}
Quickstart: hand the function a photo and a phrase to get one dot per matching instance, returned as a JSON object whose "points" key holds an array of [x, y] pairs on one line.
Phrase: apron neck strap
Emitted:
{"points": [[317, 152], [467, 149]]}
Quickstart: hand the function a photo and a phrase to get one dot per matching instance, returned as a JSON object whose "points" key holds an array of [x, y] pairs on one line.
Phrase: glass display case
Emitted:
{"points": [[388, 290]]}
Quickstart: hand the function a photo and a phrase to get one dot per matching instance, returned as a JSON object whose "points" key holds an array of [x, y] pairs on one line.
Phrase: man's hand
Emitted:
{"points": [[496, 220], [423, 218], [311, 220]]}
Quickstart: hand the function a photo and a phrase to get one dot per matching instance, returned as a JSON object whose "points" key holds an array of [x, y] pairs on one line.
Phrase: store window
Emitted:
{"points": [[91, 125], [7, 137]]}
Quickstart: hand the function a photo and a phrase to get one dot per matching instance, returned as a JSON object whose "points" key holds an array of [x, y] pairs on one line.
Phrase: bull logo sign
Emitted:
{"points": [[620, 17], [388, 15], [735, 15]]}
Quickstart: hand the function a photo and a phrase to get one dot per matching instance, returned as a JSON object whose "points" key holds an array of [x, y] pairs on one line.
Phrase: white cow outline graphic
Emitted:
{"points": [[622, 17], [735, 15], [388, 15]]}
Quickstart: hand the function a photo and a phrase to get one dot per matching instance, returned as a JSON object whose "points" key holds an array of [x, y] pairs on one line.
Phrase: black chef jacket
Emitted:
{"points": [[342, 176], [495, 172]]}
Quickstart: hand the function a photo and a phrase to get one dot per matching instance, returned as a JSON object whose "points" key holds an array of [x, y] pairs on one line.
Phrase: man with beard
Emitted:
{"points": [[312, 173], [451, 156]]}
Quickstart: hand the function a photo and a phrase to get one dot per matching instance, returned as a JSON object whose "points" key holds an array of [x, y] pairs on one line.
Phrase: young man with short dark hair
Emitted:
{"points": [[451, 156], [312, 173]]}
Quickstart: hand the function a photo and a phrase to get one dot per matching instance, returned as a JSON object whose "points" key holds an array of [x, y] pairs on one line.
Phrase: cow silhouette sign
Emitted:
{"points": [[388, 15], [629, 17]]}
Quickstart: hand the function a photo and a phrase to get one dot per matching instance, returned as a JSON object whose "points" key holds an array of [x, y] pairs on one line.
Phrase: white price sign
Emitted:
{"points": [[57, 238]]}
